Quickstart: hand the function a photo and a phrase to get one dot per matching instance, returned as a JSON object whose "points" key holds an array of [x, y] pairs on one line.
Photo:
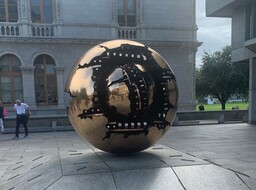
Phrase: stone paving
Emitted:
{"points": [[188, 157]]}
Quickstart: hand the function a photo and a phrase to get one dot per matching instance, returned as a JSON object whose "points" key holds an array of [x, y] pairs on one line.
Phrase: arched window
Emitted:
{"points": [[45, 80], [8, 11], [126, 10], [11, 85], [41, 11]]}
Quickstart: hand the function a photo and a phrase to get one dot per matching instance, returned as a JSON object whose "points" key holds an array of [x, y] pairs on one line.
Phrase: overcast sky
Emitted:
{"points": [[215, 33]]}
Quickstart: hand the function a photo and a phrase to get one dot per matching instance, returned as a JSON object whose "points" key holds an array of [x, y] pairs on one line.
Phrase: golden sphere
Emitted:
{"points": [[124, 96]]}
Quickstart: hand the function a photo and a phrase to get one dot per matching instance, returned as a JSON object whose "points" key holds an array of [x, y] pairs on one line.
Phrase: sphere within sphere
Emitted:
{"points": [[123, 96]]}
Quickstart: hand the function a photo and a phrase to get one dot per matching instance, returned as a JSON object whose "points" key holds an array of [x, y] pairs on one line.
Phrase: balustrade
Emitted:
{"points": [[43, 31], [127, 33], [9, 30], [48, 31], [37, 30]]}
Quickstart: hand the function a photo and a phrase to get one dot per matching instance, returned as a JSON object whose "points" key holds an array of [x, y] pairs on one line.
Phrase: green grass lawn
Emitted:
{"points": [[229, 105]]}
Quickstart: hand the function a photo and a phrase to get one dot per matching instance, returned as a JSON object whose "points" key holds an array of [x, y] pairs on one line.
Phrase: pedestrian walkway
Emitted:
{"points": [[188, 157]]}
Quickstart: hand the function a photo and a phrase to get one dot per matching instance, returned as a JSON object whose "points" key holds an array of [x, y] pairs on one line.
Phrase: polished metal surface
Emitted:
{"points": [[124, 96]]}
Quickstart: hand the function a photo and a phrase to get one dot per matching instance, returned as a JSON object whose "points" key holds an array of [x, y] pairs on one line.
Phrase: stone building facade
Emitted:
{"points": [[243, 14], [40, 40]]}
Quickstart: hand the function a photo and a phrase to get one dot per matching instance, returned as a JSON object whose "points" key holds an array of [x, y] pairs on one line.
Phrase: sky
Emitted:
{"points": [[215, 33]]}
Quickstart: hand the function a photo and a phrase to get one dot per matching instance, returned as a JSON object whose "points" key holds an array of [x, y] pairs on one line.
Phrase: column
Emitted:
{"points": [[28, 85], [141, 29], [192, 62], [114, 24], [24, 17], [57, 17], [252, 92], [60, 86]]}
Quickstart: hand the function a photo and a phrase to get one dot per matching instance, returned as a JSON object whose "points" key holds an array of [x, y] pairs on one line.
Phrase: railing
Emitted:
{"points": [[48, 31], [127, 33], [37, 30], [42, 30], [10, 29]]}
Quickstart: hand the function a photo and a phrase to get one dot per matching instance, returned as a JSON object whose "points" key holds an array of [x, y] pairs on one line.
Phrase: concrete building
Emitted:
{"points": [[40, 40], [243, 14]]}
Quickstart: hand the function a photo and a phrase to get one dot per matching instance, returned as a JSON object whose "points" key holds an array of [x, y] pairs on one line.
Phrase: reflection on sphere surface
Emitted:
{"points": [[124, 96]]}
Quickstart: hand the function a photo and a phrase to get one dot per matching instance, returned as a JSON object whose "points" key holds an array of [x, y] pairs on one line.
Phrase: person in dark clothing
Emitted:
{"points": [[201, 107]]}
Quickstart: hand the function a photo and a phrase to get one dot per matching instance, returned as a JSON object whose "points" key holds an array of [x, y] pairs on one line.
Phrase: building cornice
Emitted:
{"points": [[75, 42]]}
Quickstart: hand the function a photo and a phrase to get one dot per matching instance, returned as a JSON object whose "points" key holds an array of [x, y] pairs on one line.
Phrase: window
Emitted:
{"points": [[8, 11], [45, 80], [41, 11], [126, 10], [11, 85]]}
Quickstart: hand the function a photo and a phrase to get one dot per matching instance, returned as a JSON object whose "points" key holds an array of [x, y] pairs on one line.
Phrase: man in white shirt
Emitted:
{"points": [[21, 117]]}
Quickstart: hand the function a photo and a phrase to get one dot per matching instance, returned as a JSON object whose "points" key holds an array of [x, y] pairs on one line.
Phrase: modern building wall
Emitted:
{"points": [[168, 26], [243, 14], [252, 91]]}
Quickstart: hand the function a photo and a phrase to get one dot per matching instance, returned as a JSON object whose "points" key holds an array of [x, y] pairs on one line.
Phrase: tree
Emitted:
{"points": [[219, 78]]}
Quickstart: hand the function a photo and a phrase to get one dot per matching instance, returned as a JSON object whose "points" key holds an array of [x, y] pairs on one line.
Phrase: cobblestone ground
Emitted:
{"points": [[188, 157]]}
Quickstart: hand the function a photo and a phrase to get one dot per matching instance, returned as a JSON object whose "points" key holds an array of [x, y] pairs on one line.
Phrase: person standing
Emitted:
{"points": [[2, 117], [21, 117]]}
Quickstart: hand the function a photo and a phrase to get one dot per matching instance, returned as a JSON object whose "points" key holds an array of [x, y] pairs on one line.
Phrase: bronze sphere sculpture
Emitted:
{"points": [[124, 96]]}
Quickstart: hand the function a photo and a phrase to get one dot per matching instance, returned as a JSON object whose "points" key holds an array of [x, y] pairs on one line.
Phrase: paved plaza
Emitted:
{"points": [[193, 157]]}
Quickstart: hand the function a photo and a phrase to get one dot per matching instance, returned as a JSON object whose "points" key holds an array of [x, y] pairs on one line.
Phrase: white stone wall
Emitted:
{"points": [[169, 13], [86, 11], [168, 26]]}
